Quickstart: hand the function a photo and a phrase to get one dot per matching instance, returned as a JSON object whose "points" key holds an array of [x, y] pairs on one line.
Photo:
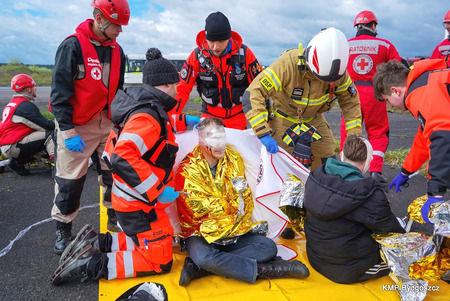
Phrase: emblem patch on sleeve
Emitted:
{"points": [[183, 73], [267, 83], [352, 90]]}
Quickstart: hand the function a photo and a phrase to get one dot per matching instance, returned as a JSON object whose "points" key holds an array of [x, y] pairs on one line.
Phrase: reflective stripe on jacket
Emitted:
{"points": [[298, 92], [221, 81]]}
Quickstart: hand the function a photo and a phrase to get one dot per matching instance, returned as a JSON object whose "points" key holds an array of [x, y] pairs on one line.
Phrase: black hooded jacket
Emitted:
{"points": [[341, 215]]}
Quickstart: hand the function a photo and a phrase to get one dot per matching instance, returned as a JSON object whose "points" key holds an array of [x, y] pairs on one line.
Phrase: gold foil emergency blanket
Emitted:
{"points": [[435, 265], [414, 209], [214, 202], [432, 267], [399, 251], [292, 194], [413, 257]]}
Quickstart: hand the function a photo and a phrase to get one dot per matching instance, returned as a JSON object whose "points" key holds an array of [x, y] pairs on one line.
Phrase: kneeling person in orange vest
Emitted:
{"points": [[141, 153]]}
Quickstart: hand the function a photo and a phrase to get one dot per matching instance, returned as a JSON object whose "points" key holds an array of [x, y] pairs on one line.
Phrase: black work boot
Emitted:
{"points": [[18, 167], [112, 224], [288, 233], [282, 269], [379, 177], [74, 265], [190, 272], [86, 236], [63, 236]]}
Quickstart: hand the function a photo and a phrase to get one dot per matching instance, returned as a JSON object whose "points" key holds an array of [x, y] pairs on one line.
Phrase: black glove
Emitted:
{"points": [[303, 154]]}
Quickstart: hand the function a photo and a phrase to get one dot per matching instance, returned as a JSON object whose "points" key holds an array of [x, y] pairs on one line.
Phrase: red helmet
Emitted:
{"points": [[447, 17], [365, 17], [21, 81], [115, 11]]}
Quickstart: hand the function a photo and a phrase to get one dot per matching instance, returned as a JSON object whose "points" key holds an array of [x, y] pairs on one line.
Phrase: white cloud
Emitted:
{"points": [[32, 29]]}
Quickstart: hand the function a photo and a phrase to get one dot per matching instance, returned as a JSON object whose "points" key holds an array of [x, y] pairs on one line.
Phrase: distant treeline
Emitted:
{"points": [[42, 74], [37, 65]]}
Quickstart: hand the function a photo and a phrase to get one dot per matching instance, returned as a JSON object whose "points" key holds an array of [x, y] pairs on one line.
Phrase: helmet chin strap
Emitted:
{"points": [[23, 93], [102, 28], [362, 26]]}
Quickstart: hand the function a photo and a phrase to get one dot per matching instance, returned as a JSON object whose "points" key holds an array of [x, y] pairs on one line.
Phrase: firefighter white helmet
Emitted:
{"points": [[327, 54]]}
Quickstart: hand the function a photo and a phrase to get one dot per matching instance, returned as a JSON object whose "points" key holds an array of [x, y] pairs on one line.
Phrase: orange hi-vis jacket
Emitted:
{"points": [[221, 81], [142, 157], [428, 99]]}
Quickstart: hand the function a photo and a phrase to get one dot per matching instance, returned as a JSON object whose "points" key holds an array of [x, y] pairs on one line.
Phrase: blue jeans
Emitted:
{"points": [[237, 260]]}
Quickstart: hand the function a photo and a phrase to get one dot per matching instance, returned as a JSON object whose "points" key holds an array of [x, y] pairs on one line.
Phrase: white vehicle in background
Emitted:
{"points": [[135, 64]]}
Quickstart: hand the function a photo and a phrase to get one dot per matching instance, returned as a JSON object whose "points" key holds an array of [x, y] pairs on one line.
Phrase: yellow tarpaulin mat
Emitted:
{"points": [[315, 287]]}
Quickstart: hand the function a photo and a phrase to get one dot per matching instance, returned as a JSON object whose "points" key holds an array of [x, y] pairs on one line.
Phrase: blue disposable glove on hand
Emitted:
{"points": [[399, 180], [75, 144], [168, 195], [191, 120], [426, 207], [270, 144]]}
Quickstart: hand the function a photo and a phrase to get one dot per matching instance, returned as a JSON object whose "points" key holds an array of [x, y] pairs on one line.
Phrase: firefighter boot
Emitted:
{"points": [[75, 265], [288, 233], [112, 224], [282, 269], [85, 236], [190, 272], [63, 236]]}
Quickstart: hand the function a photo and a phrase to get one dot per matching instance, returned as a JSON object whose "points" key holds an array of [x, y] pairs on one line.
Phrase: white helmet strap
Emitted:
{"points": [[364, 26], [103, 28]]}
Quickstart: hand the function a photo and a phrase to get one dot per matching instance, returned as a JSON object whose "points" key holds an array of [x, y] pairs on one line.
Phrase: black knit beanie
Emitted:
{"points": [[158, 70], [217, 27]]}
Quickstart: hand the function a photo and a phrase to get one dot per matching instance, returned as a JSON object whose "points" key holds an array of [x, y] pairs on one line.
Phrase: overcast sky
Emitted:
{"points": [[31, 30]]}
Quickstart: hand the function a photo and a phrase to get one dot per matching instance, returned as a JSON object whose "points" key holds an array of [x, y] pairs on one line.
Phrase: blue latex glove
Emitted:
{"points": [[426, 207], [75, 144], [270, 144], [168, 195], [191, 120], [399, 180]]}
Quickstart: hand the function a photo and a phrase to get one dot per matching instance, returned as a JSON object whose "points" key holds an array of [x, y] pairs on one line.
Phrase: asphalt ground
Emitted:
{"points": [[27, 260]]}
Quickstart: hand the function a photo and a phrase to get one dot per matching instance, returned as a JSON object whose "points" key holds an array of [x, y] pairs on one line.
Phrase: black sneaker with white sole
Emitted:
{"points": [[85, 236], [75, 265]]}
